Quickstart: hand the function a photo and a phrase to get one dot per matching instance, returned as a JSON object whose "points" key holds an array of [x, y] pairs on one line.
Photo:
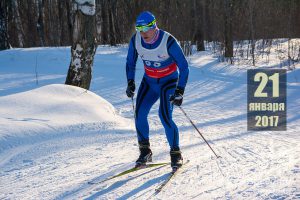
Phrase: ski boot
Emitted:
{"points": [[145, 154], [176, 159]]}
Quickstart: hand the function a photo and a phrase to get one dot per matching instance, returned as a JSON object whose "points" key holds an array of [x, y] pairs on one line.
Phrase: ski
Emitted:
{"points": [[128, 171], [167, 180]]}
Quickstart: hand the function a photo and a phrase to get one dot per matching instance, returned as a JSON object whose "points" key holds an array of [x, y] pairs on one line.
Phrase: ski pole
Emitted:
{"points": [[133, 106], [198, 131]]}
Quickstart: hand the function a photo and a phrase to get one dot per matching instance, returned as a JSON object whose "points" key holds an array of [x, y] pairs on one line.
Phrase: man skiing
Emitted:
{"points": [[165, 78]]}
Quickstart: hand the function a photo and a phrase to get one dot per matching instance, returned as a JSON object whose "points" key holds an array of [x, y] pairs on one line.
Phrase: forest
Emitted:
{"points": [[32, 23]]}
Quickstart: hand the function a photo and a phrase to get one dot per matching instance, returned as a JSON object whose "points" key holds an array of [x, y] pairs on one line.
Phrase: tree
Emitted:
{"points": [[83, 45], [228, 29], [252, 30], [4, 43], [198, 35]]}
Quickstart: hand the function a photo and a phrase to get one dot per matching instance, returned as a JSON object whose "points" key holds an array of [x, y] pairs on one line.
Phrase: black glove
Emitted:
{"points": [[130, 88], [177, 97]]}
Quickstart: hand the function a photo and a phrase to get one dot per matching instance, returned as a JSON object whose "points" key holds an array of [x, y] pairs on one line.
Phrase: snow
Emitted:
{"points": [[51, 108], [76, 62], [87, 7], [55, 138]]}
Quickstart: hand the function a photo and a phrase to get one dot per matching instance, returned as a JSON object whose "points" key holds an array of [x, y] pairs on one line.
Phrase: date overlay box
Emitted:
{"points": [[266, 100]]}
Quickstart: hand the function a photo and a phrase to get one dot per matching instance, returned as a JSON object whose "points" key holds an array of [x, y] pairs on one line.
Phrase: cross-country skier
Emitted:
{"points": [[165, 78]]}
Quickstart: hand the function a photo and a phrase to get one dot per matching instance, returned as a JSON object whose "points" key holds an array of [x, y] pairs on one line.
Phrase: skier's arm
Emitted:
{"points": [[176, 53], [131, 60]]}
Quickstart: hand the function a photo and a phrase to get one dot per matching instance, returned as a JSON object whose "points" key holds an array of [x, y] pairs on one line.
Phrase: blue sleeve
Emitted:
{"points": [[131, 59], [176, 53]]}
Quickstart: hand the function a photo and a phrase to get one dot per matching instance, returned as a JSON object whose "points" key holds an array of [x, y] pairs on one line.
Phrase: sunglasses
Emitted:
{"points": [[145, 28]]}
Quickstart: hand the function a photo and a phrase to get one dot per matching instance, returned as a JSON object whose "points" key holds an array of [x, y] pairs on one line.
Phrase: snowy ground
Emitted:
{"points": [[55, 138]]}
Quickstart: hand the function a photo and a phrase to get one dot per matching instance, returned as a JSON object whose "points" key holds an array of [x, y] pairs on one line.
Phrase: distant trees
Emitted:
{"points": [[49, 22], [199, 23], [228, 40], [40, 22], [4, 6]]}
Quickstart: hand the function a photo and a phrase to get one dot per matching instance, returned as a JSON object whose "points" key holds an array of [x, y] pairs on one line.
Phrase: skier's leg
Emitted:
{"points": [[145, 99], [165, 114]]}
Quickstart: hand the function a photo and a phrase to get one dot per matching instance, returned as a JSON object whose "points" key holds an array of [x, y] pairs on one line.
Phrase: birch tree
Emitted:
{"points": [[83, 45]]}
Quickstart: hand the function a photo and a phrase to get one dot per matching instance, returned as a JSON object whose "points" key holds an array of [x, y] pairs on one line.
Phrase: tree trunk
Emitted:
{"points": [[69, 20], [40, 22], [18, 24], [113, 28], [228, 29], [4, 43], [252, 31], [112, 32], [198, 35], [83, 47], [105, 23]]}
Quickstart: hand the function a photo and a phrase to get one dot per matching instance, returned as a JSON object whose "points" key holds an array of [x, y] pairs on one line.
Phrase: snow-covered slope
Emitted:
{"points": [[50, 110], [56, 138]]}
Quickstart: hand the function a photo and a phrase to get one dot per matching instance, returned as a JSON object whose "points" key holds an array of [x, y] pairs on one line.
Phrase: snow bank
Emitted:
{"points": [[51, 110]]}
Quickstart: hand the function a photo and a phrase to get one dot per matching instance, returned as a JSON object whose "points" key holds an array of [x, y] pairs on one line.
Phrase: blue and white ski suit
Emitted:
{"points": [[166, 69]]}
